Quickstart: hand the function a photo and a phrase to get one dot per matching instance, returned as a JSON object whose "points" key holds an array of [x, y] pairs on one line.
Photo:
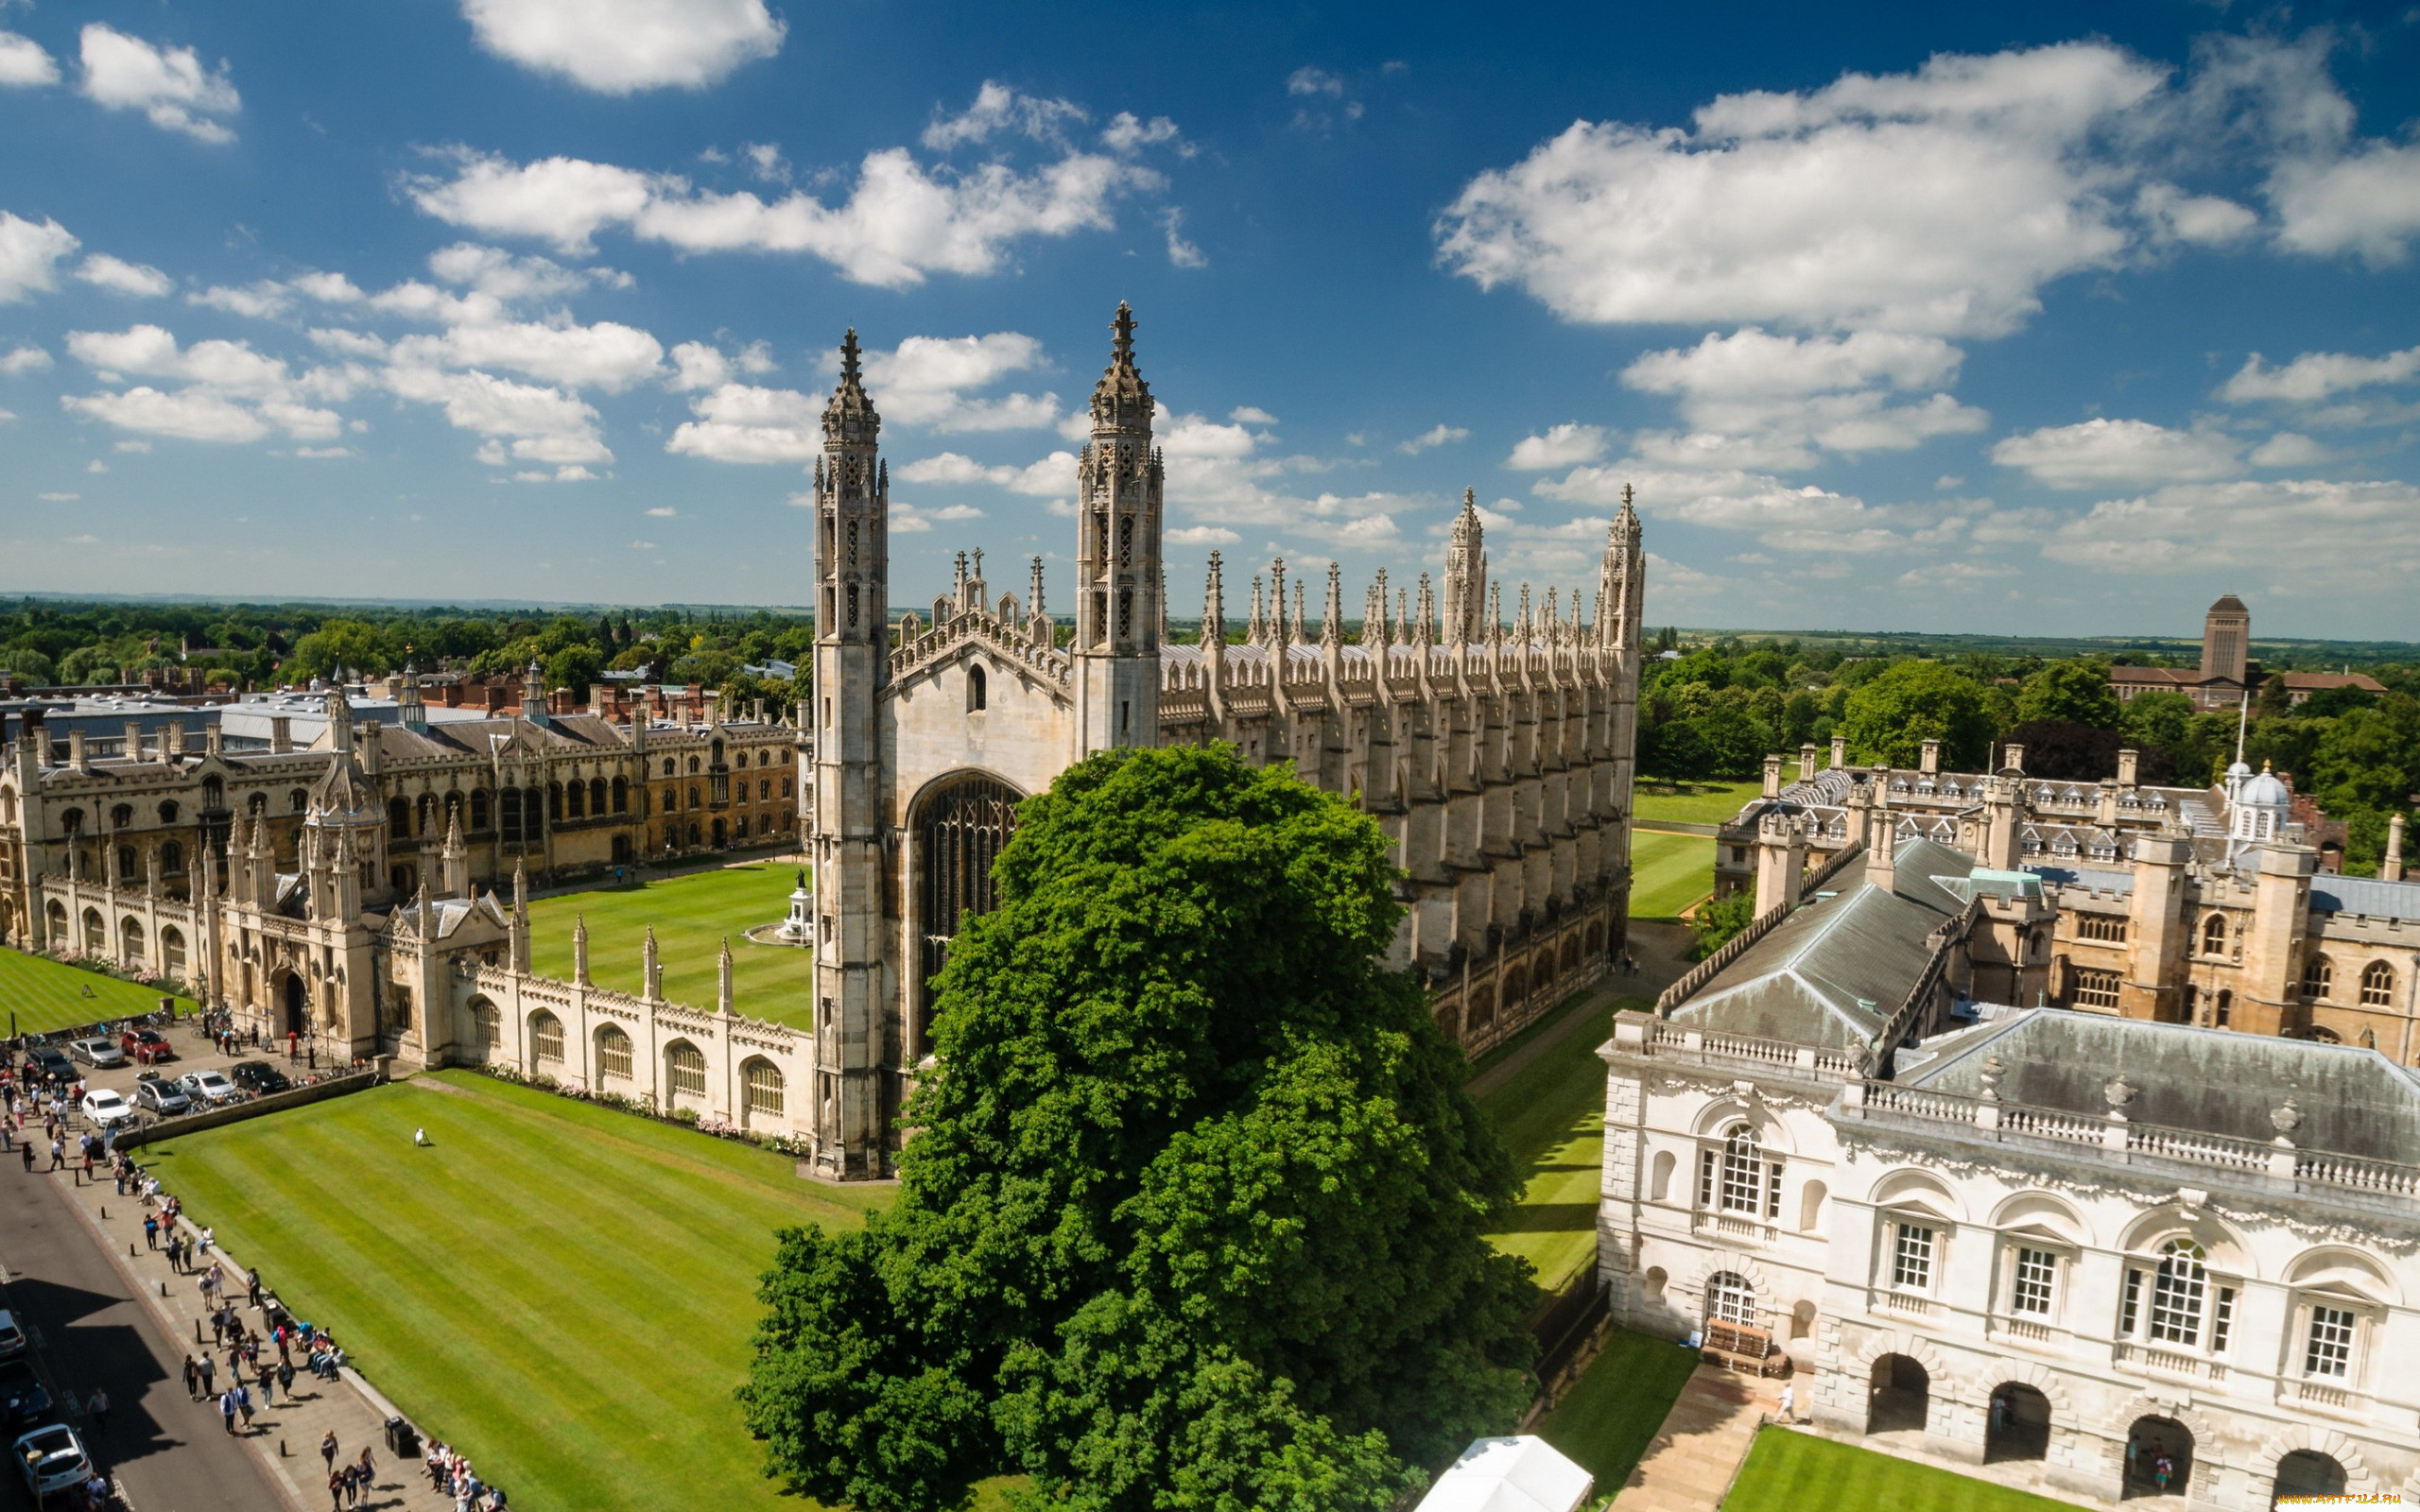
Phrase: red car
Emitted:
{"points": [[146, 1047]]}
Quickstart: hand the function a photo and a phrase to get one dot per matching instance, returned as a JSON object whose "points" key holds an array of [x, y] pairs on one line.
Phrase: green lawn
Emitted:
{"points": [[1654, 799], [692, 916], [564, 1292], [1669, 872], [1551, 1114], [1610, 1414], [37, 996], [1798, 1472]]}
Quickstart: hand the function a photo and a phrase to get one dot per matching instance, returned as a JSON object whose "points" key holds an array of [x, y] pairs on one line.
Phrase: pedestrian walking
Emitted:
{"points": [[353, 1485], [227, 1410], [244, 1403], [267, 1385], [369, 1467], [252, 1286], [1789, 1403], [336, 1491], [193, 1380], [57, 1152], [97, 1408], [207, 1370], [150, 1231], [27, 1150], [328, 1451]]}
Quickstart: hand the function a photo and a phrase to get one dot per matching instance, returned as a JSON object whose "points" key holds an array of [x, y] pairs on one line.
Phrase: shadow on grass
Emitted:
{"points": [[1550, 1218]]}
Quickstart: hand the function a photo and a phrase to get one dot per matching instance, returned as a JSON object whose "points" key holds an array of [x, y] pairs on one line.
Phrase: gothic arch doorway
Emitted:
{"points": [[296, 1003], [967, 822], [2159, 1458]]}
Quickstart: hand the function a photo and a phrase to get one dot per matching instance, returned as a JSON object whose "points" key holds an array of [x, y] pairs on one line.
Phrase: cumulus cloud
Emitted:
{"points": [[1782, 516], [187, 414], [1435, 436], [231, 394], [738, 422], [1564, 446], [2297, 536], [996, 109], [121, 277], [24, 64], [2366, 202], [29, 255], [925, 380], [901, 222], [695, 365], [2201, 220], [1203, 536], [605, 355], [2315, 376], [1755, 399], [2100, 452], [26, 359], [167, 84], [623, 47]]}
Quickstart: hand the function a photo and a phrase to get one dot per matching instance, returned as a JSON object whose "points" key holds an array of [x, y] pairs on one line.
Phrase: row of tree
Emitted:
{"points": [[1716, 710]]}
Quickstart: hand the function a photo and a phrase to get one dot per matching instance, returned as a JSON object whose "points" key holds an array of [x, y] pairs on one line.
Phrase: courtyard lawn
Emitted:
{"points": [[692, 916], [564, 1292], [1655, 798], [1610, 1414], [40, 995], [1551, 1116], [1669, 872], [1798, 1472]]}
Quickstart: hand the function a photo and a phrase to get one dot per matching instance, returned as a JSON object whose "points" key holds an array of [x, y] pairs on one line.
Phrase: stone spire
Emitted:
{"points": [[1118, 571], [722, 977], [1213, 611], [849, 419], [1281, 631], [580, 949], [1299, 622], [650, 968], [1374, 613], [1424, 627], [339, 719], [1621, 583], [453, 858], [1256, 629], [1332, 612], [1465, 573], [1494, 625]]}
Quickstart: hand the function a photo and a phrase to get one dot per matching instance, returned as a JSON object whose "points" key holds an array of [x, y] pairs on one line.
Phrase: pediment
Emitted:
{"points": [[1001, 656]]}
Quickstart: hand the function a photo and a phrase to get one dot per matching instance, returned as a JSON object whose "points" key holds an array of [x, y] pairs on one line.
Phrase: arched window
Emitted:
{"points": [[575, 803], [669, 770], [122, 817], [172, 951], [762, 1083], [964, 830], [478, 808], [130, 938], [2319, 978], [213, 792], [72, 821], [596, 795], [399, 819], [487, 1024], [977, 690], [614, 1053], [685, 1070], [1738, 1178], [428, 814], [298, 801], [2179, 1291], [545, 1037], [693, 767], [2214, 935], [555, 802], [621, 795], [256, 805], [2377, 984], [1729, 1298], [693, 795], [130, 867], [172, 858], [169, 811]]}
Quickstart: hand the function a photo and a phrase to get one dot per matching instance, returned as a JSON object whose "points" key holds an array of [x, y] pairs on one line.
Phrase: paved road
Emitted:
{"points": [[168, 1454]]}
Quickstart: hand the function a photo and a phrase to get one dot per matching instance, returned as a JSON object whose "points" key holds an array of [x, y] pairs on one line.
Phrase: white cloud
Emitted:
{"points": [[2299, 536], [1182, 253], [900, 223], [1436, 435], [320, 452], [2289, 449], [2366, 202], [167, 84], [1564, 446], [1937, 203], [997, 108], [540, 424], [604, 355], [1782, 516], [1757, 400], [2317, 375], [29, 255], [2101, 453], [1251, 415], [921, 382], [21, 360], [765, 162], [1127, 132], [494, 271], [737, 422], [233, 394], [662, 511], [24, 64], [122, 277], [96, 465], [194, 414], [622, 46], [1310, 83], [130, 446], [2203, 219], [260, 301], [1204, 536], [695, 365]]}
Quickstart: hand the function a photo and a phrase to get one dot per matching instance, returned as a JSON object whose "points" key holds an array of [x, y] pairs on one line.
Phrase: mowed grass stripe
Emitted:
{"points": [[43, 996], [563, 1290], [692, 916]]}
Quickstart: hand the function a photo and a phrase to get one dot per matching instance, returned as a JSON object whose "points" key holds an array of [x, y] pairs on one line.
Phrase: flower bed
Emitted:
{"points": [[709, 1124]]}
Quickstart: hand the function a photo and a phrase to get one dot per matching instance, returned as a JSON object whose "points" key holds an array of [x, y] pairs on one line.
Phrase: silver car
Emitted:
{"points": [[160, 1096], [210, 1087], [97, 1052], [52, 1459]]}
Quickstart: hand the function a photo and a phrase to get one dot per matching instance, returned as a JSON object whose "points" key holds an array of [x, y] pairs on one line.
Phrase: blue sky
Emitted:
{"points": [[2044, 317]]}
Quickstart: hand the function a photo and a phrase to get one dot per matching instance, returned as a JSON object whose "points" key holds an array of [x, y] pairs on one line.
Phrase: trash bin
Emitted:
{"points": [[401, 1441]]}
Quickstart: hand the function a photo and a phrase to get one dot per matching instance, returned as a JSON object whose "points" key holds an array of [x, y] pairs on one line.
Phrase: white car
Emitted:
{"points": [[210, 1087], [104, 1109], [53, 1459]]}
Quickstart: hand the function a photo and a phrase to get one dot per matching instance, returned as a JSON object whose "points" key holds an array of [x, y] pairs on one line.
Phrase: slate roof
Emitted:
{"points": [[1832, 973], [2354, 1101], [2366, 895]]}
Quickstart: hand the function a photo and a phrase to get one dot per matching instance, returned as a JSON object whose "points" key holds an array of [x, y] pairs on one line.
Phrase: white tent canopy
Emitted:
{"points": [[1523, 1474]]}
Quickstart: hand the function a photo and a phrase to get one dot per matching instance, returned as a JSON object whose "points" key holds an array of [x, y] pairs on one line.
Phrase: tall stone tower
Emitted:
{"points": [[1117, 562], [1466, 575], [852, 662], [2227, 636], [1621, 583]]}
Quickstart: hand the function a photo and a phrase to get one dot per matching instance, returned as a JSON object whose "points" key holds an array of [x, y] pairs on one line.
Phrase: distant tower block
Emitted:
{"points": [[2226, 637]]}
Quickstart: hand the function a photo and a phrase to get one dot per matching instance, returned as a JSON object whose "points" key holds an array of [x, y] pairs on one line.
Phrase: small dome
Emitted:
{"points": [[2265, 791], [2238, 769]]}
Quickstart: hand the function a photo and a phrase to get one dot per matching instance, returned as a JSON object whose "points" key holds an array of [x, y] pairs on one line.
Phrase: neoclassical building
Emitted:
{"points": [[1498, 755], [2051, 1245]]}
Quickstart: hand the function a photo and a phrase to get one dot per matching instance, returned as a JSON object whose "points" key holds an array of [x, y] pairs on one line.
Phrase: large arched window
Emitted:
{"points": [[2179, 1293], [964, 828], [1729, 1298], [761, 1083], [1737, 1178], [399, 819], [685, 1070], [130, 939], [169, 811], [97, 933], [621, 795], [614, 1053], [596, 795], [545, 1037], [298, 801], [575, 801], [172, 951], [2214, 935], [2319, 978], [488, 1024], [2377, 984], [478, 808]]}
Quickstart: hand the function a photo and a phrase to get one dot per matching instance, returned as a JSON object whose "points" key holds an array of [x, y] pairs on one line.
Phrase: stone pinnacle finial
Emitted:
{"points": [[1124, 325], [1332, 612], [1214, 606], [1036, 605], [1122, 401]]}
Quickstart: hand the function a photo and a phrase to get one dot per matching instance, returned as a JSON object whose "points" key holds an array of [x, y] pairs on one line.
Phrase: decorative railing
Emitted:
{"points": [[2318, 1394], [1664, 1038], [2146, 1359], [2031, 1332]]}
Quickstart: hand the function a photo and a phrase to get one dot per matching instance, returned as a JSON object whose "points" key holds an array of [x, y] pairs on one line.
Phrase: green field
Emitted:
{"points": [[37, 996], [1669, 872], [1654, 799], [1551, 1114], [1610, 1414], [692, 916], [1798, 1472], [564, 1292]]}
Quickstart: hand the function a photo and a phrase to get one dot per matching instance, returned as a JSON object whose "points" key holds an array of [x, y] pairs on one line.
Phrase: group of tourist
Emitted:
{"points": [[450, 1474]]}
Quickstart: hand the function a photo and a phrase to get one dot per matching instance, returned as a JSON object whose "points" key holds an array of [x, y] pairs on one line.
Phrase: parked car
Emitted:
{"points": [[53, 1459], [48, 1062], [258, 1077], [210, 1087], [104, 1109], [24, 1399], [161, 1095], [97, 1052], [12, 1336], [147, 1047]]}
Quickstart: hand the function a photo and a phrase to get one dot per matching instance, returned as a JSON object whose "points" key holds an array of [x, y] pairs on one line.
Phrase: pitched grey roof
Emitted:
{"points": [[1832, 973], [2366, 895], [2218, 1081], [2097, 878]]}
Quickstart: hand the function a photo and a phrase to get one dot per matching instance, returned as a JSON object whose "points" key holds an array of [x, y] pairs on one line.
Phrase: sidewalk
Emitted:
{"points": [[1690, 1463], [287, 1434]]}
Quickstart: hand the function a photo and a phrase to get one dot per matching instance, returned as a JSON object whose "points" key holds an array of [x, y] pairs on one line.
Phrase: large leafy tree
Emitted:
{"points": [[1891, 717], [2076, 691], [1192, 1218]]}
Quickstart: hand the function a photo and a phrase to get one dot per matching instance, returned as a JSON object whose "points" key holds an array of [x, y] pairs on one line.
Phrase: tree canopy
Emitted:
{"points": [[1891, 717], [1193, 1215]]}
